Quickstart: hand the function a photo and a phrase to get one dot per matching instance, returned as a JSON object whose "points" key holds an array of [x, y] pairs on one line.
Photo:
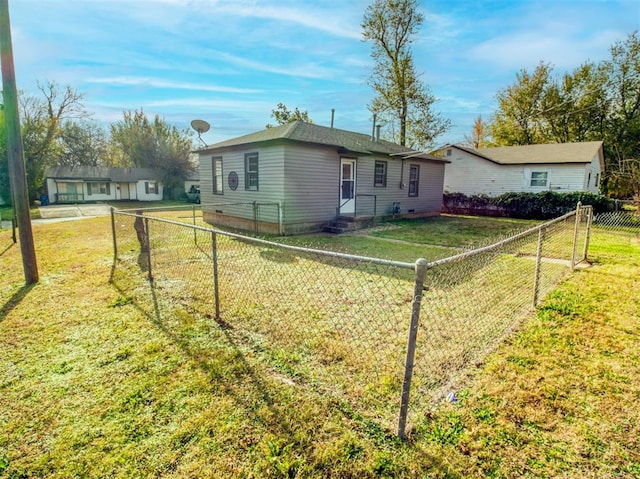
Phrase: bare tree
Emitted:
{"points": [[400, 95], [41, 128]]}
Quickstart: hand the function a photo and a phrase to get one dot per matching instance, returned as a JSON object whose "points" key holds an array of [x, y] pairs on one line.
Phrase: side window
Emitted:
{"points": [[151, 187], [217, 175], [539, 178], [98, 189], [414, 177], [380, 174], [251, 171]]}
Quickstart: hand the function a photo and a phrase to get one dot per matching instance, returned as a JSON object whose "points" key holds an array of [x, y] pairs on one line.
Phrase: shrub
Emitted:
{"points": [[544, 205]]}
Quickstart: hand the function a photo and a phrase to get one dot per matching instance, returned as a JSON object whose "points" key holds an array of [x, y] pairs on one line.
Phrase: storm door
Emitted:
{"points": [[347, 186]]}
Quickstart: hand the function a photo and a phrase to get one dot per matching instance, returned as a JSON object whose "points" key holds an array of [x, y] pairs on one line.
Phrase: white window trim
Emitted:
{"points": [[539, 172]]}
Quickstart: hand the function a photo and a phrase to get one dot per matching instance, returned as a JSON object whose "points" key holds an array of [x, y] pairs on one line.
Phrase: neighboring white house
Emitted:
{"points": [[79, 184], [560, 167]]}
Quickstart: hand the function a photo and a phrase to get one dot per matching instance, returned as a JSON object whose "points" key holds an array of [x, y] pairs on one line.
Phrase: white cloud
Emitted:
{"points": [[158, 83], [527, 49], [335, 20], [302, 70]]}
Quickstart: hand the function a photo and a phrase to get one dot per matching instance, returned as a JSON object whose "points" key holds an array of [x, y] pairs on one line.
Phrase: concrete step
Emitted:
{"points": [[334, 229], [343, 224]]}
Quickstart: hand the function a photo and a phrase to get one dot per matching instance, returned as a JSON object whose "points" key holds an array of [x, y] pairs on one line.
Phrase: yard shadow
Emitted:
{"points": [[7, 249], [208, 361], [255, 396], [15, 300]]}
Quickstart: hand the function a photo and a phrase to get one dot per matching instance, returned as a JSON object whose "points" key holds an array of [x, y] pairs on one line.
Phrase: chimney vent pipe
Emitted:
{"points": [[373, 130]]}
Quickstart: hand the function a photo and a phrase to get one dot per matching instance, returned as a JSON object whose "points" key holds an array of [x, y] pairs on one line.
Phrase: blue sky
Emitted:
{"points": [[230, 62]]}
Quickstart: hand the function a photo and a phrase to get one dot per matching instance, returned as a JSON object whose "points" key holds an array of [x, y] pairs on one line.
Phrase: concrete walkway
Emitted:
{"points": [[73, 211]]}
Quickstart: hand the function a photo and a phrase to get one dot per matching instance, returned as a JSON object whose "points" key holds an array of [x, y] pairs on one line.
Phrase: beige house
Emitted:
{"points": [[560, 167]]}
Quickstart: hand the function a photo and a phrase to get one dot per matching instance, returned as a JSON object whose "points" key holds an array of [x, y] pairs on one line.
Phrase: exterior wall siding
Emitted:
{"points": [[142, 195], [429, 199], [593, 175], [239, 202], [311, 189], [299, 186]]}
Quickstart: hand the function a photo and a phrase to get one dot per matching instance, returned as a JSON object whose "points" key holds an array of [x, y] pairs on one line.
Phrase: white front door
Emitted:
{"points": [[347, 186], [124, 191]]}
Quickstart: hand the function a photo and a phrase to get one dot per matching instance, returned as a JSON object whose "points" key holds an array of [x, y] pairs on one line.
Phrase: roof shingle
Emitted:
{"points": [[321, 135]]}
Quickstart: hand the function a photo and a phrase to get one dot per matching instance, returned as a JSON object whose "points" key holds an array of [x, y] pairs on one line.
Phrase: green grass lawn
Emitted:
{"points": [[6, 212], [453, 231], [96, 382]]}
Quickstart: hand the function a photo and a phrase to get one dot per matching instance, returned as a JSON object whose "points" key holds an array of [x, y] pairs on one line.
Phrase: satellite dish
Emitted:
{"points": [[200, 126]]}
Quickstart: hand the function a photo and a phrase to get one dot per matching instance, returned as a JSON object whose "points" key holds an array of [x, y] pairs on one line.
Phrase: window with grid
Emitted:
{"points": [[151, 187], [380, 174], [414, 176], [251, 171], [217, 175], [539, 178], [98, 188]]}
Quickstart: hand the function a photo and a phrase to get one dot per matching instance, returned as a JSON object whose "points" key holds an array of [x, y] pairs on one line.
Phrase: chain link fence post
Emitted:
{"points": [[536, 280], [588, 233], [214, 256], [148, 248], [575, 235], [113, 233], [420, 275]]}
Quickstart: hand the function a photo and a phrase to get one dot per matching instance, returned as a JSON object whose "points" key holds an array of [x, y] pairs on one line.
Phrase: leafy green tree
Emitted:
{"points": [[140, 142], [283, 115], [621, 131], [594, 102], [401, 99], [539, 108], [518, 120], [574, 107]]}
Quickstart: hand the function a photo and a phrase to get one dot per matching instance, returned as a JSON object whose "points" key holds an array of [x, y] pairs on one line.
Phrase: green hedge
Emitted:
{"points": [[545, 205]]}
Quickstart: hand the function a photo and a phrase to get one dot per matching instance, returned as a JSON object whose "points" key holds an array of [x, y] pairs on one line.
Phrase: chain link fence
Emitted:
{"points": [[614, 230], [471, 301], [380, 335]]}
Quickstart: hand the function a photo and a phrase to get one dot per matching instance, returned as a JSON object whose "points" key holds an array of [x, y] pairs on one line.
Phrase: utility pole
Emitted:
{"points": [[15, 152]]}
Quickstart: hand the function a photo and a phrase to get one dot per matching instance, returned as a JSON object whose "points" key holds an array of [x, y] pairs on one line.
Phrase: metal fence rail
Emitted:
{"points": [[376, 332]]}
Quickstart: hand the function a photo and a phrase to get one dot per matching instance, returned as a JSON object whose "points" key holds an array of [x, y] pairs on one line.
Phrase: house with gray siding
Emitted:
{"points": [[559, 167], [299, 177]]}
